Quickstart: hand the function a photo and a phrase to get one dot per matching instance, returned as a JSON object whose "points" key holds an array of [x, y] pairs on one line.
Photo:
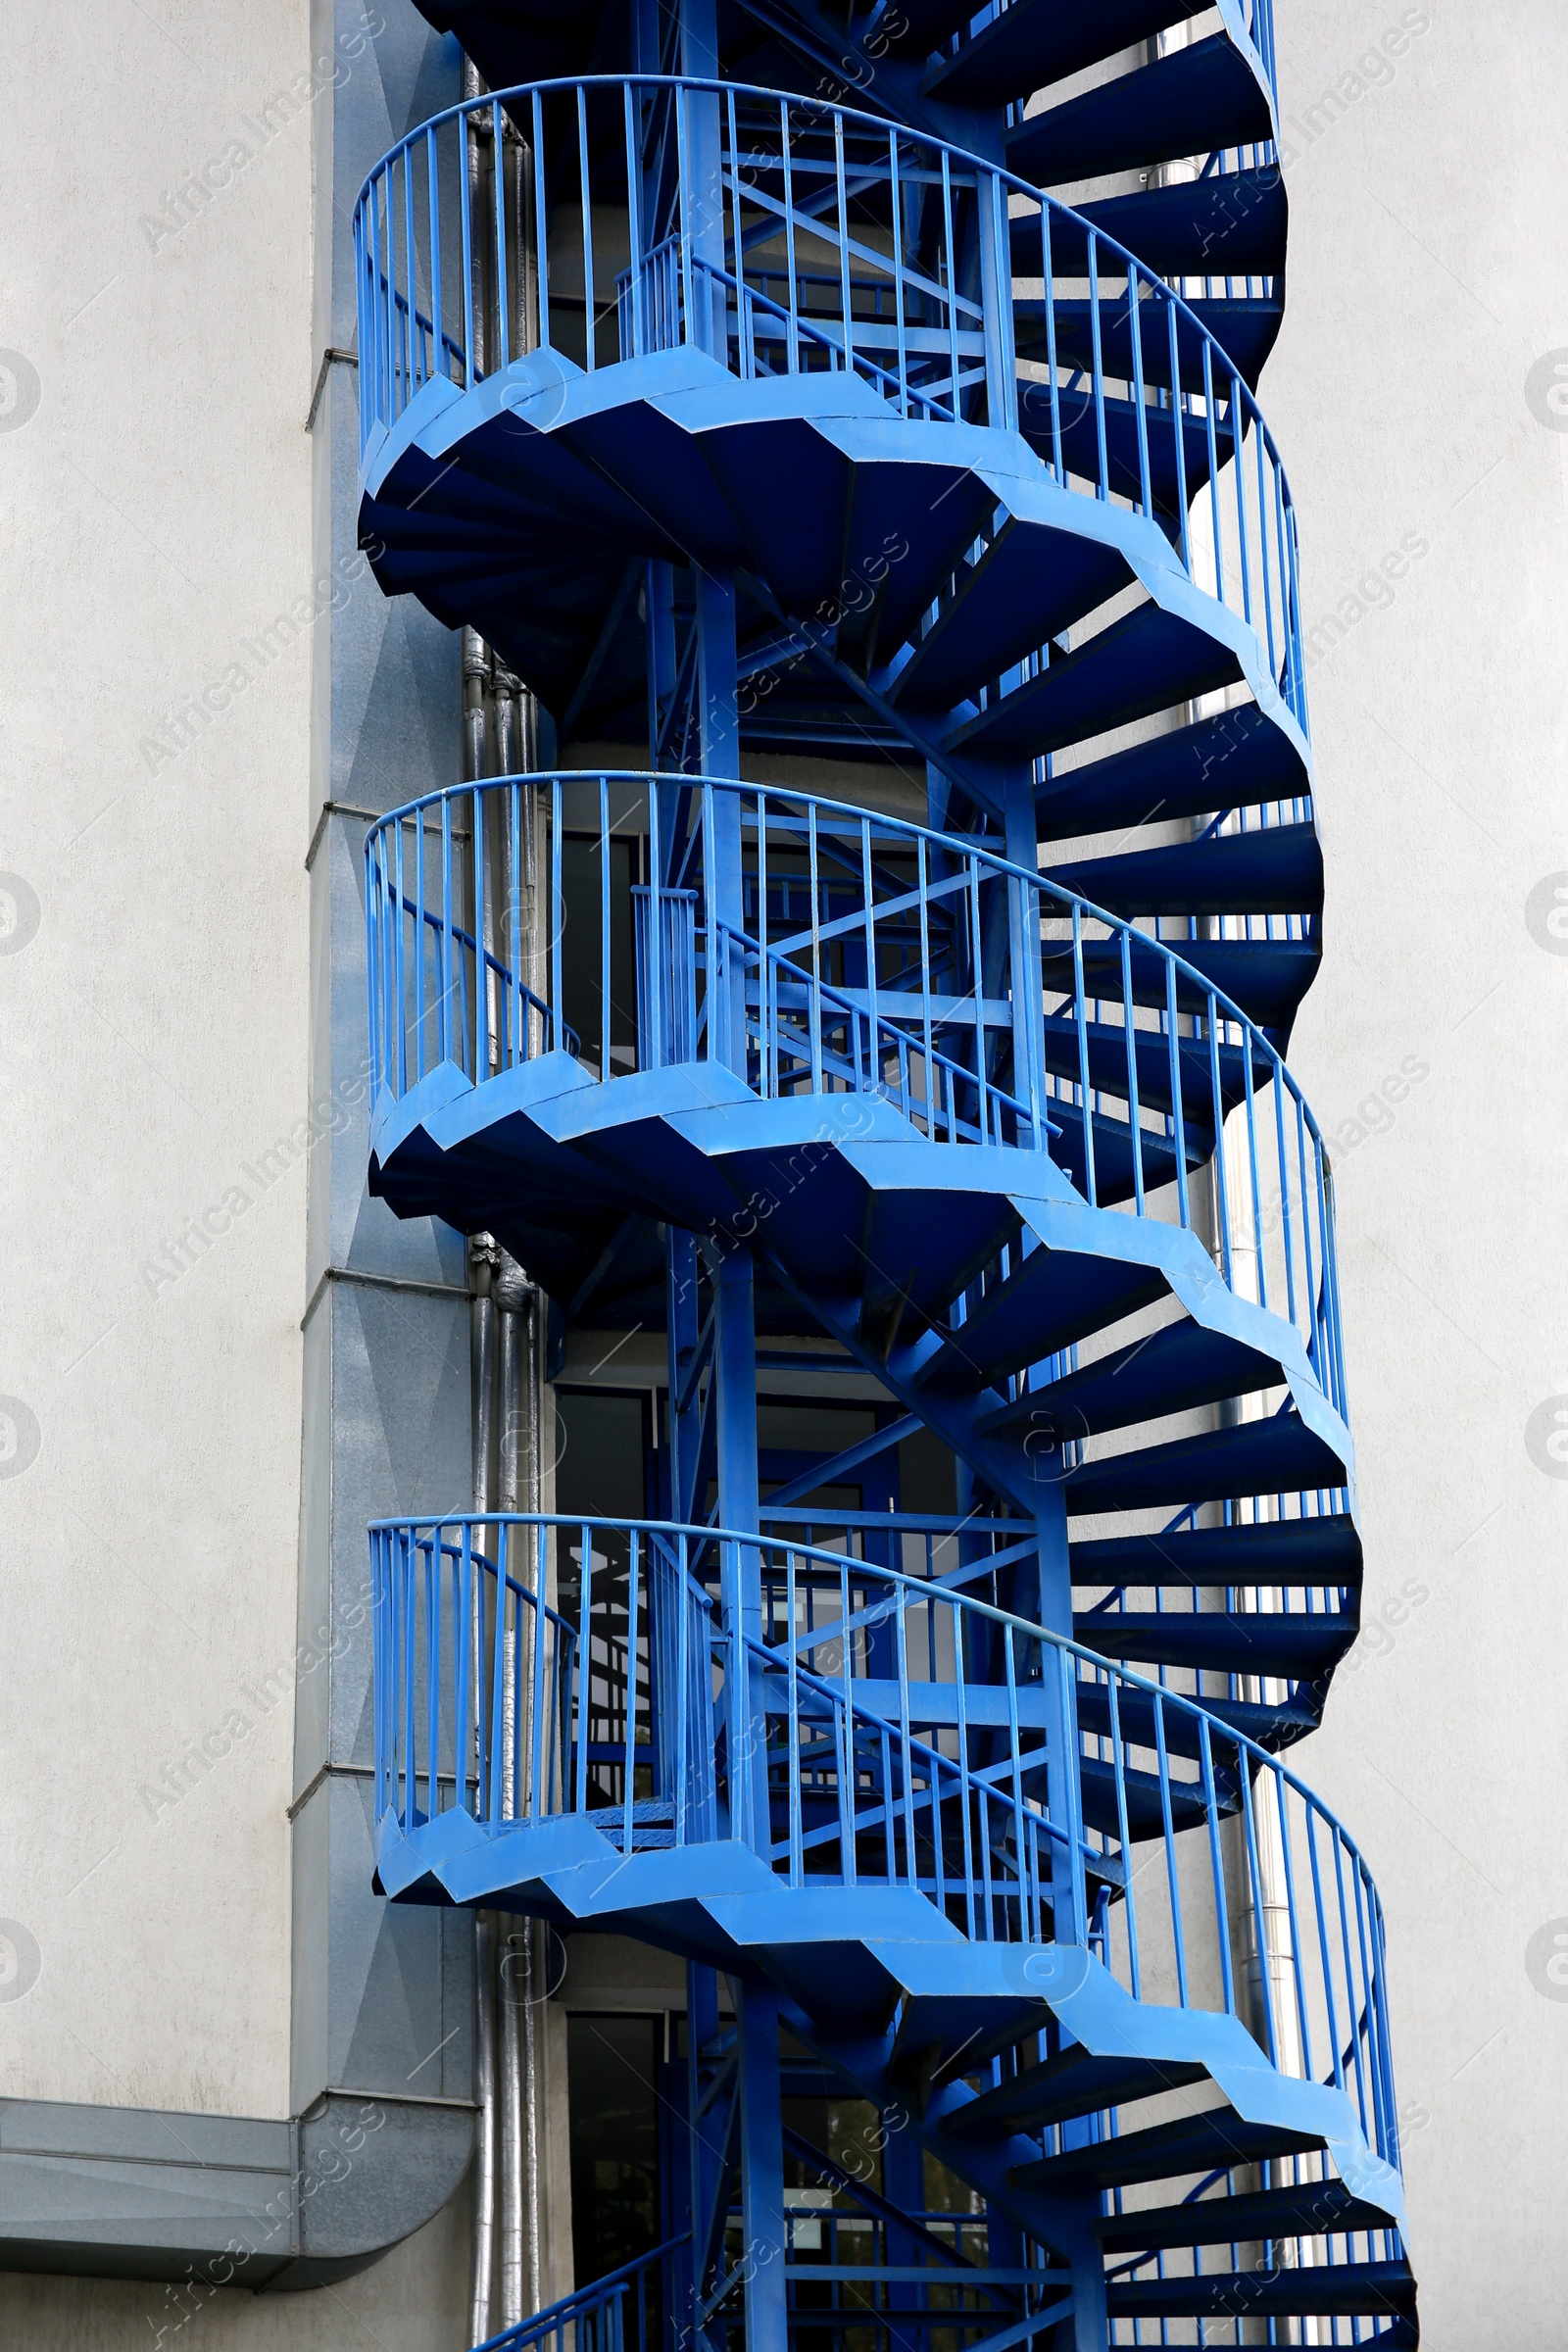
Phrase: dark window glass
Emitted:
{"points": [[582, 972], [600, 1439], [613, 2067]]}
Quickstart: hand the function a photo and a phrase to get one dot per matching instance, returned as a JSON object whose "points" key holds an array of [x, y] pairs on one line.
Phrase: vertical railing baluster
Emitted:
{"points": [[1252, 1157], [434, 194], [1282, 1802], [1134, 1117], [630, 1791], [1178, 1119], [951, 284], [462, 1638], [872, 1061], [1080, 1016], [1102, 488], [1219, 1136], [1262, 546], [558, 923], [792, 305], [1259, 1915], [541, 214], [1237, 441], [656, 945], [1216, 1859], [414, 379], [1325, 1952], [498, 174], [586, 1663], [816, 952], [896, 207], [466, 133], [1178, 426], [1172, 1872], [1058, 464], [1214, 467], [845, 295], [1145, 485], [1118, 1766]]}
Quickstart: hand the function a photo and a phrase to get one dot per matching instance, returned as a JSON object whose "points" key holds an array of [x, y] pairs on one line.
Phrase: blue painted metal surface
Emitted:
{"points": [[610, 2315], [744, 421]]}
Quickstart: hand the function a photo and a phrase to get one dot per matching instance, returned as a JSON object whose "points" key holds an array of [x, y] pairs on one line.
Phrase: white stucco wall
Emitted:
{"points": [[1427, 279], [153, 1039]]}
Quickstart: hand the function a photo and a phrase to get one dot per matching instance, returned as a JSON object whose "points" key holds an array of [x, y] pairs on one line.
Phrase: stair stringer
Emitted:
{"points": [[720, 1903], [671, 504], [745, 1147]]}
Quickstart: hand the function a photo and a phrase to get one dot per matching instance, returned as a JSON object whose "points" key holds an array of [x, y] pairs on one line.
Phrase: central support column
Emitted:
{"points": [[763, 2171], [734, 1366], [1015, 796], [735, 1376]]}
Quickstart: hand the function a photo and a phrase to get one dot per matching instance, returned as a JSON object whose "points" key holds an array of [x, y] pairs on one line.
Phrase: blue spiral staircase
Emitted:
{"points": [[768, 384]]}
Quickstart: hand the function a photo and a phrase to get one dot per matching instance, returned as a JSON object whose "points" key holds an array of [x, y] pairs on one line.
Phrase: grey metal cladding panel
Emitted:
{"points": [[149, 2135], [401, 1992], [400, 1443], [85, 2200], [177, 2264], [94, 2191]]}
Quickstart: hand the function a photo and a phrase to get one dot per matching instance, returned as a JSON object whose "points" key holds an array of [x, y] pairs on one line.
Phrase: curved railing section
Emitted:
{"points": [[781, 236], [875, 1729], [865, 963], [610, 2315]]}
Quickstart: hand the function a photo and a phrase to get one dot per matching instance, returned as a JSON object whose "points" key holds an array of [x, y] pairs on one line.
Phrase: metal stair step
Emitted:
{"points": [[1238, 758], [1115, 1167], [1314, 2208], [1296, 1646], [1325, 1551], [1245, 327], [1265, 978], [1105, 1045], [1277, 869], [1007, 605], [1033, 43], [1141, 1793], [1054, 1298], [1075, 415], [1273, 1725], [1277, 1456], [1173, 1370], [1190, 102], [1074, 2083], [1194, 2143], [1140, 664], [1231, 224], [1342, 2289]]}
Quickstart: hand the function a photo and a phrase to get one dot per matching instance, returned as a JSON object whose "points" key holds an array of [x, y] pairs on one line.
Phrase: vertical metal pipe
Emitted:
{"points": [[519, 2238], [484, 2165], [483, 1257], [476, 706], [474, 128], [515, 2088], [500, 730]]}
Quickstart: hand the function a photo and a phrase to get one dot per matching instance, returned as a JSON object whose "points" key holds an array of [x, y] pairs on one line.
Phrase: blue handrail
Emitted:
{"points": [[797, 175], [1131, 1057], [591, 2318], [883, 1731]]}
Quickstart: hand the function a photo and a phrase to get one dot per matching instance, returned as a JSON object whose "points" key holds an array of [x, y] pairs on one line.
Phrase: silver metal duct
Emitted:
{"points": [[518, 2243], [507, 1344], [483, 1262]]}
